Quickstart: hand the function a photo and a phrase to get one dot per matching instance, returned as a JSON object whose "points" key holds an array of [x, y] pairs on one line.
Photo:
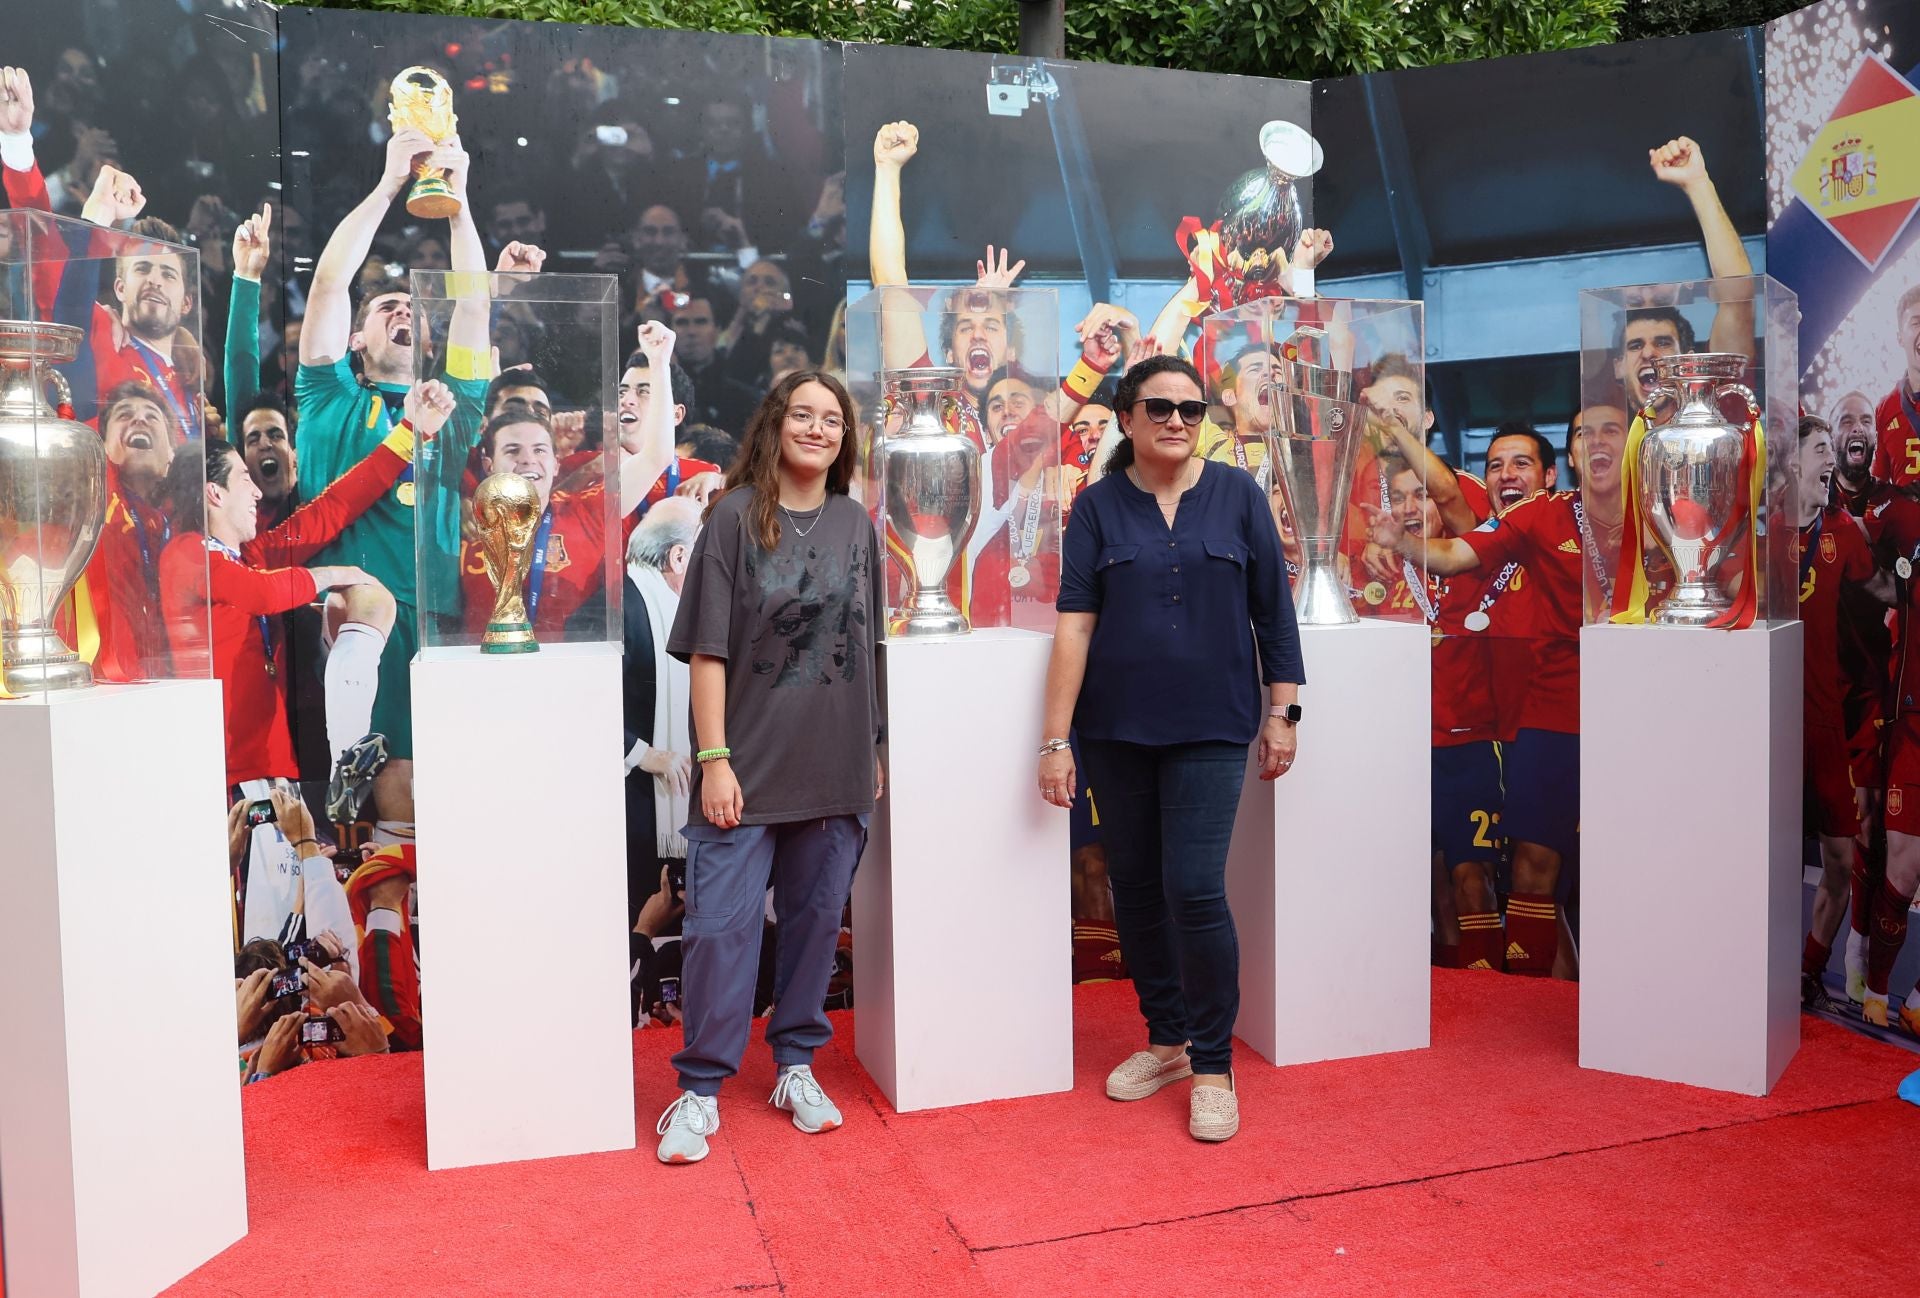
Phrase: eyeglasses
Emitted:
{"points": [[1160, 410], [807, 419]]}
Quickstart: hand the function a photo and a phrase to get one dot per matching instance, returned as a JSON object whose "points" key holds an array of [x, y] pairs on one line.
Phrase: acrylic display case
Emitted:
{"points": [[103, 567], [1686, 453], [958, 399], [521, 496], [1331, 393]]}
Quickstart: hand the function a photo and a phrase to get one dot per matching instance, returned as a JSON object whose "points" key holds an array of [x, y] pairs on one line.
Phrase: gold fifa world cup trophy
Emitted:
{"points": [[422, 100], [506, 510]]}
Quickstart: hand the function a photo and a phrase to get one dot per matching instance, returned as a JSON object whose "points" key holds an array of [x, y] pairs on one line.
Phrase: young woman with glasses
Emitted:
{"points": [[1174, 649], [779, 616]]}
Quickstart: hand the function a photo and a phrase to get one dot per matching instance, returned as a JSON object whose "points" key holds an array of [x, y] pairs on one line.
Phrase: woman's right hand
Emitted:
{"points": [[720, 800], [1057, 777]]}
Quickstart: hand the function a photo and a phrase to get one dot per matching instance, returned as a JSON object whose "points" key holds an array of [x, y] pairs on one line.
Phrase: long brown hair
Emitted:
{"points": [[758, 463]]}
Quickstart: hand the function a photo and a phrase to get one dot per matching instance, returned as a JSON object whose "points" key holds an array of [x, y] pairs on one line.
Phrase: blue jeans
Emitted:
{"points": [[1166, 818], [810, 864]]}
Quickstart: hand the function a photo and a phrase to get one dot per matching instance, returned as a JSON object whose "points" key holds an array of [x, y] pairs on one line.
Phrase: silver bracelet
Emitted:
{"points": [[1054, 746]]}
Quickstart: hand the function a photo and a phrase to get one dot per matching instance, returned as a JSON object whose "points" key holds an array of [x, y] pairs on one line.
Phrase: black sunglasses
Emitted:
{"points": [[1160, 410]]}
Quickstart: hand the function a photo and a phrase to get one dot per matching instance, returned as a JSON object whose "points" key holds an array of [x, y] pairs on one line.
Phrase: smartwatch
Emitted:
{"points": [[1290, 712]]}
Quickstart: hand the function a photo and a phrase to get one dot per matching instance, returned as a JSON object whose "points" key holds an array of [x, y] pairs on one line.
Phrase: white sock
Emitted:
{"points": [[353, 680], [1856, 949], [1913, 998], [388, 832]]}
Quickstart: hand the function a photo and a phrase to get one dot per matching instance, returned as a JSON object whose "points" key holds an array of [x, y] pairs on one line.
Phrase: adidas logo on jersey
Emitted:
{"points": [[1569, 547]]}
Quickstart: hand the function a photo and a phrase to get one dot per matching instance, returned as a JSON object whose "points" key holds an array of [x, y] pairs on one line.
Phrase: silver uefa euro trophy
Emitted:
{"points": [[53, 506], [1693, 485], [1261, 215], [1312, 446], [930, 469]]}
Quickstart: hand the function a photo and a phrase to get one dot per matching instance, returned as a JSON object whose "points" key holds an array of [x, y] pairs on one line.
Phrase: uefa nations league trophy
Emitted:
{"points": [[1313, 444], [422, 99], [53, 505], [1694, 487], [931, 472], [506, 510]]}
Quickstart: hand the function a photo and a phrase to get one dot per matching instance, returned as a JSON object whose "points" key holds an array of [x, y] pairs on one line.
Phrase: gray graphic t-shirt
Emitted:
{"points": [[798, 628]]}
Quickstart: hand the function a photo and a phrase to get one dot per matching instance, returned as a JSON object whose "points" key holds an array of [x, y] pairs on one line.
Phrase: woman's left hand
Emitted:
{"points": [[1278, 739]]}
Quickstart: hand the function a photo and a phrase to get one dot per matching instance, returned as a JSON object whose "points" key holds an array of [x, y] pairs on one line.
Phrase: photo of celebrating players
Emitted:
{"points": [[330, 376], [1841, 238]]}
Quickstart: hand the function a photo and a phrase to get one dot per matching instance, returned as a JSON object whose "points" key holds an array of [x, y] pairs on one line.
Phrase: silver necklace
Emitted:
{"points": [[802, 531], [1181, 488]]}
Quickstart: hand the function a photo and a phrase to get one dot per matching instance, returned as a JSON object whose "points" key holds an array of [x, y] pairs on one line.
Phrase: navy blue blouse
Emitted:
{"points": [[1181, 610]]}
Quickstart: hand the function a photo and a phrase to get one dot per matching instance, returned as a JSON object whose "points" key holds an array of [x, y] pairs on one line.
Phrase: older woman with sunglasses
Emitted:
{"points": [[1174, 650]]}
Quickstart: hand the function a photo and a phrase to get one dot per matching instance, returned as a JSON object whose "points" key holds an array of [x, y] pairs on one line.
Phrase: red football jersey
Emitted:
{"points": [[1035, 519], [1463, 708], [575, 566], [658, 492], [247, 596], [27, 191], [1540, 534], [1833, 555], [121, 591], [1898, 536], [1896, 452], [1865, 626]]}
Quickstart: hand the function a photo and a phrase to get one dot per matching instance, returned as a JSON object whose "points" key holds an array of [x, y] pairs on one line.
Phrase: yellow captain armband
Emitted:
{"points": [[469, 362], [400, 440], [465, 285]]}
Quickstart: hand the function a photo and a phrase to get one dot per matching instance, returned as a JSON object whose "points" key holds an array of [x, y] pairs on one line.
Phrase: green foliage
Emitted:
{"points": [[1672, 17], [1272, 38], [992, 25], [1322, 38]]}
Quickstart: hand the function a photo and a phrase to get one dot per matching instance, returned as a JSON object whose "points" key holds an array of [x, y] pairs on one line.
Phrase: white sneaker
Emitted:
{"points": [[685, 1126], [1141, 1074], [799, 1093]]}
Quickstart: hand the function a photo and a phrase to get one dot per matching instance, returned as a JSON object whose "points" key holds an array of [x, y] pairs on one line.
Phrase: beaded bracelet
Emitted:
{"points": [[712, 754]]}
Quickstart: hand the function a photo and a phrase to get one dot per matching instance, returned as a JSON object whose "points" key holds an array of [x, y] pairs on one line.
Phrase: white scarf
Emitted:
{"points": [[672, 693]]}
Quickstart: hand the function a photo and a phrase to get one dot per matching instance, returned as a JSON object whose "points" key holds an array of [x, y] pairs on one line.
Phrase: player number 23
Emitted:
{"points": [[1482, 829]]}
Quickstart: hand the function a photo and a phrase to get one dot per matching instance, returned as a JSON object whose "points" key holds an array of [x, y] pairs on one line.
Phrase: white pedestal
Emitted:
{"points": [[520, 817], [1690, 853], [120, 1145], [964, 854], [1330, 874]]}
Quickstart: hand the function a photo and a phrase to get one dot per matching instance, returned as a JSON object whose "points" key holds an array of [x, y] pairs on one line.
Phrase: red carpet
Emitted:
{"points": [[1488, 1164]]}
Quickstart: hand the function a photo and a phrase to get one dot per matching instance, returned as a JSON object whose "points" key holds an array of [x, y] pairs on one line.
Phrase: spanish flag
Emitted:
{"points": [[1861, 172], [1632, 595]]}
